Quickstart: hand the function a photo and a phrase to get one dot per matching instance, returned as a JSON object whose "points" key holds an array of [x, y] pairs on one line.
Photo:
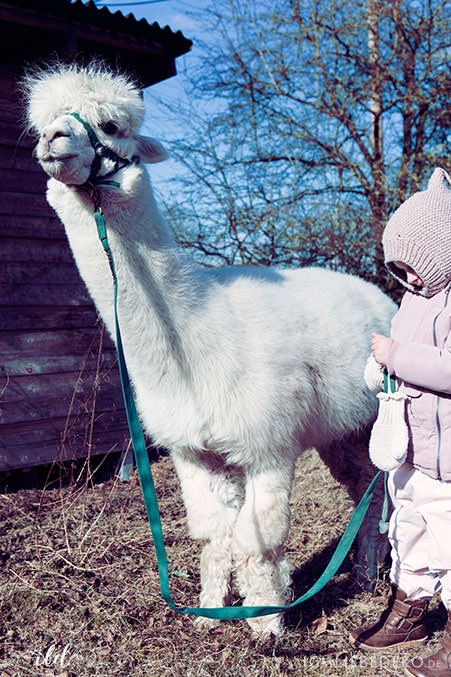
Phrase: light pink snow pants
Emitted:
{"points": [[420, 534]]}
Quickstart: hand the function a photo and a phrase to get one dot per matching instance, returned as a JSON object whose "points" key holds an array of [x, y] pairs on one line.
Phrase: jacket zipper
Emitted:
{"points": [[437, 406]]}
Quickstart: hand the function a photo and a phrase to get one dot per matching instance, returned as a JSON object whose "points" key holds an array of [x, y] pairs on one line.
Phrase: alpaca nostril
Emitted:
{"points": [[50, 136], [58, 135]]}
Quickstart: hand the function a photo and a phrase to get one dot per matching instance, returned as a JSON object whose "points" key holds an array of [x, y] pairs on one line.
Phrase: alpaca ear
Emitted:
{"points": [[150, 150]]}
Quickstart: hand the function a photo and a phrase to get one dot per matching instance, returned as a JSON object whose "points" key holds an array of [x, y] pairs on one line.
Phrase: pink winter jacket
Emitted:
{"points": [[420, 358]]}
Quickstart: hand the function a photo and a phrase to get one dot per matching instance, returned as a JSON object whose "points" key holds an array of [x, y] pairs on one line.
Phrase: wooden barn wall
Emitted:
{"points": [[60, 392]]}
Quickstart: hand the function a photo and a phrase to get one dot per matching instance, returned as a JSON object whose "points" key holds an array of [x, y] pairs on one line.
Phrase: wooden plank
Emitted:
{"points": [[27, 318], [31, 227], [15, 157], [9, 109], [47, 342], [58, 429], [42, 386], [8, 82], [53, 364], [44, 397], [75, 341], [29, 432], [42, 272], [34, 249], [33, 454], [16, 180], [25, 204], [12, 135], [40, 409], [42, 294]]}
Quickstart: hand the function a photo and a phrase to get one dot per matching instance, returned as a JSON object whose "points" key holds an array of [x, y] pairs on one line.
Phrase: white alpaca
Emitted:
{"points": [[236, 371]]}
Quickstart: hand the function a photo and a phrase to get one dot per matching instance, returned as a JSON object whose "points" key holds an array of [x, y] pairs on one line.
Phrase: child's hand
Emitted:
{"points": [[380, 348]]}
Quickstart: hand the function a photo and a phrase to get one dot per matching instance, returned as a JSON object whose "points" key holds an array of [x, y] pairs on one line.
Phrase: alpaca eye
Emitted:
{"points": [[110, 128]]}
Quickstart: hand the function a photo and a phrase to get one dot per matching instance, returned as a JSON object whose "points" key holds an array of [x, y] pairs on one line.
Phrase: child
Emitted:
{"points": [[417, 248]]}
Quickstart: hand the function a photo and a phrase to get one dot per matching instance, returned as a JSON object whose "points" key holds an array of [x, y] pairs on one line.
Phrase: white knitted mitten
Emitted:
{"points": [[374, 375], [389, 436]]}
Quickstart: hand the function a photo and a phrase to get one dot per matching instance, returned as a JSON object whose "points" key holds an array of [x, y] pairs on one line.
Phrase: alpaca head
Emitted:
{"points": [[109, 103]]}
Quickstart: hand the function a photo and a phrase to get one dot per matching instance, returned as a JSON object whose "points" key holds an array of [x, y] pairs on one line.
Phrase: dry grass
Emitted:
{"points": [[80, 594]]}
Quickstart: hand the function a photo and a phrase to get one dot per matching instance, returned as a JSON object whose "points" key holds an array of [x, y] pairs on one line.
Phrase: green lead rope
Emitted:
{"points": [[150, 500]]}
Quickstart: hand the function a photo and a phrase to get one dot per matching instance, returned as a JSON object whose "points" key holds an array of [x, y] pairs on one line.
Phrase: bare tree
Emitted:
{"points": [[311, 121]]}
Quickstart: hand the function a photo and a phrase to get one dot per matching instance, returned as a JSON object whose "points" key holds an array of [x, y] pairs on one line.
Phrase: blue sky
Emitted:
{"points": [[176, 15], [170, 13]]}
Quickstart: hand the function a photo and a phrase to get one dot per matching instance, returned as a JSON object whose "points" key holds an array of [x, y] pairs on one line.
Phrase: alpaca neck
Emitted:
{"points": [[158, 289]]}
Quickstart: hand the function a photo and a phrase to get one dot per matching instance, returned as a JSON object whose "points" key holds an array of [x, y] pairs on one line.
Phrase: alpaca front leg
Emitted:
{"points": [[262, 572], [264, 580], [215, 574], [212, 501], [264, 518]]}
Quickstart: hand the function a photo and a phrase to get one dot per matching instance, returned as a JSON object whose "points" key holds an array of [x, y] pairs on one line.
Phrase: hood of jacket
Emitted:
{"points": [[419, 235]]}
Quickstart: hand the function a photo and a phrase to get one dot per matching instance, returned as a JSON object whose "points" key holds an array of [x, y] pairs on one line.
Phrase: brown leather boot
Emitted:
{"points": [[437, 664], [401, 624]]}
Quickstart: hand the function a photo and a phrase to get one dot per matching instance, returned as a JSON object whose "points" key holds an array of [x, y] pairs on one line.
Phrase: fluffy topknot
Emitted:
{"points": [[93, 91]]}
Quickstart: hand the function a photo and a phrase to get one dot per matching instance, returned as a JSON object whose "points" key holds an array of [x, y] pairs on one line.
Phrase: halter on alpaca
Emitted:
{"points": [[101, 152]]}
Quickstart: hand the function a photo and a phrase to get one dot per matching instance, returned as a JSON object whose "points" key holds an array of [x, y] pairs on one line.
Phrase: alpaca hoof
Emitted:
{"points": [[263, 626], [206, 624]]}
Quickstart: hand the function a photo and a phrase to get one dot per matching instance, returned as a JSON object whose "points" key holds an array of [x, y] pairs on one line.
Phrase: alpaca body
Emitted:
{"points": [[228, 360], [236, 371]]}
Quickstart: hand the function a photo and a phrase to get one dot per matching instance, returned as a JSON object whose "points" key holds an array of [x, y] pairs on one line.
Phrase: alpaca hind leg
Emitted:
{"points": [[349, 463], [212, 500], [372, 545]]}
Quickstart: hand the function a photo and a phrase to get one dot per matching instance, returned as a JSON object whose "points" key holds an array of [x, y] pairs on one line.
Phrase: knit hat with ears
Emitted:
{"points": [[419, 235]]}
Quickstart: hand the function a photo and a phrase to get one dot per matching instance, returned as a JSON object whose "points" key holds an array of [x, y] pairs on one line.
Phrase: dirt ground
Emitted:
{"points": [[79, 590]]}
